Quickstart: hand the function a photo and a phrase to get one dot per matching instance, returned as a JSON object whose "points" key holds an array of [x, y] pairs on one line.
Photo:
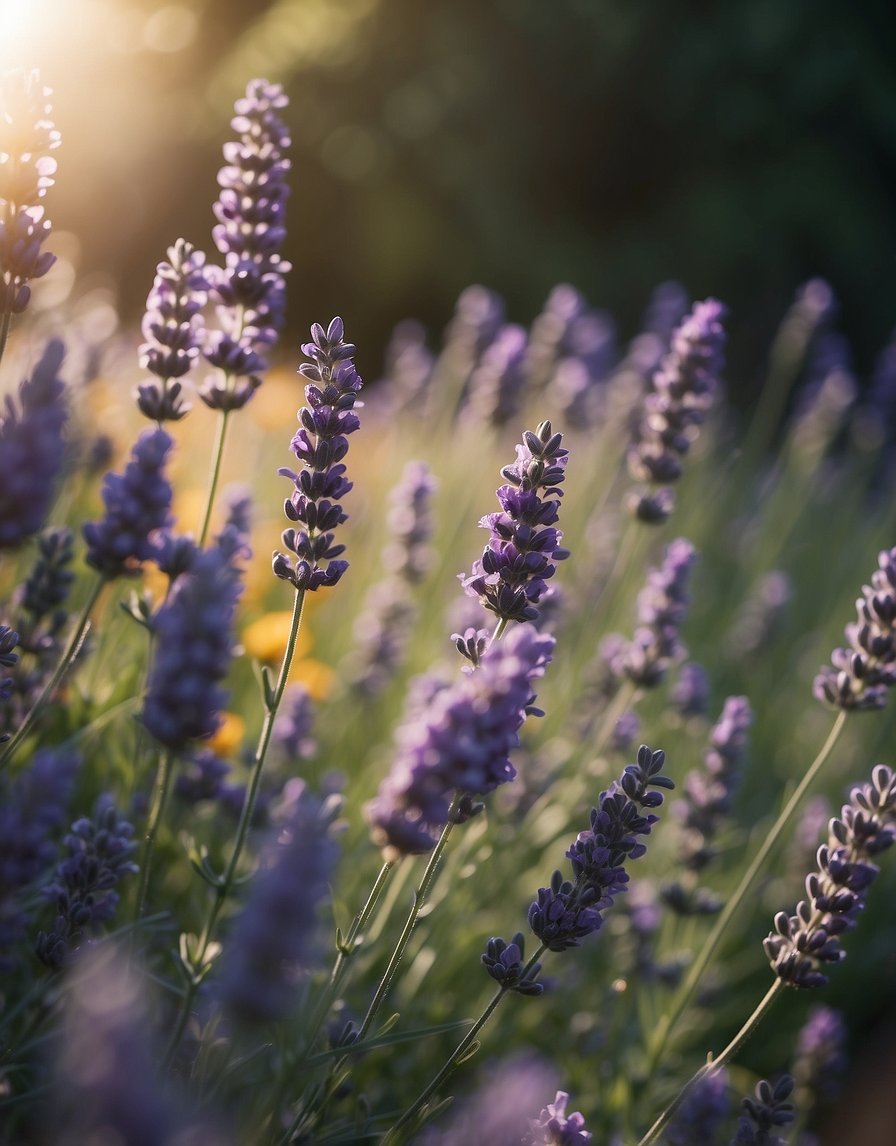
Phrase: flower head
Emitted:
{"points": [[554, 1128], [320, 444]]}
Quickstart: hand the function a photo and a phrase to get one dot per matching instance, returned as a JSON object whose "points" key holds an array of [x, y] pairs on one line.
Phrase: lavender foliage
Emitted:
{"points": [[320, 444], [456, 738], [26, 174], [249, 290], [32, 449], [173, 331], [511, 576], [137, 503], [803, 944]]}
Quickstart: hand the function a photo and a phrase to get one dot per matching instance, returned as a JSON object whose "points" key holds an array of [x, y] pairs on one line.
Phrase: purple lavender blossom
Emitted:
{"points": [[662, 605], [700, 1117], [761, 613], [320, 445], [33, 809], [505, 962], [407, 554], [762, 1113], [567, 911], [690, 695], [683, 391], [138, 502], [26, 174], [496, 385], [519, 559], [32, 449], [456, 738], [863, 672], [554, 1128], [820, 1060], [274, 941], [100, 850], [173, 330], [294, 724], [47, 586], [249, 291], [194, 646], [408, 366], [802, 944], [9, 640]]}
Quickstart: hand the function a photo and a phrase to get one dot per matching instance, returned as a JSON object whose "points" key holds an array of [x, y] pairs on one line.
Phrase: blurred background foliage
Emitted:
{"points": [[739, 148]]}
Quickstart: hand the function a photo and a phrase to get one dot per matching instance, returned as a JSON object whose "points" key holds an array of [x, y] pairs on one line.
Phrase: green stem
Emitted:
{"points": [[689, 986], [217, 456], [393, 1136], [225, 884], [419, 899], [157, 808], [65, 663], [714, 1064], [5, 320]]}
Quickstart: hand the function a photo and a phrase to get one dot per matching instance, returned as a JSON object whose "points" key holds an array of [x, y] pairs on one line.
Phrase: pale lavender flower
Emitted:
{"points": [[567, 911], [193, 649], [138, 503], [294, 724], [862, 673], [554, 1127], [407, 553], [820, 1060], [519, 559], [701, 1116], [683, 392], [26, 174], [408, 366], [802, 944], [249, 291], [173, 330], [690, 694], [456, 738], [320, 444], [496, 385], [768, 1109], [662, 606], [100, 850], [32, 449], [275, 941], [761, 613], [568, 330]]}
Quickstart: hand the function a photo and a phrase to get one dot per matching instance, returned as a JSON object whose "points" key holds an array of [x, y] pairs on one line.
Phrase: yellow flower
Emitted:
{"points": [[229, 735], [317, 677], [265, 639]]}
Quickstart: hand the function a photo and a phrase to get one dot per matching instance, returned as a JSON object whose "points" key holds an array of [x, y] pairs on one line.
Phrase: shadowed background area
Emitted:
{"points": [[518, 144]]}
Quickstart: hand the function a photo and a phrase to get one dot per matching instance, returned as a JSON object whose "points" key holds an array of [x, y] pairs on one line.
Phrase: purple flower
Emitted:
{"points": [[505, 962], [407, 554], [496, 385], [294, 723], [567, 911], [26, 173], [683, 391], [100, 850], [511, 576], [31, 449], [173, 329], [138, 503], [691, 692], [408, 366], [275, 940], [554, 1128], [803, 943], [320, 444], [456, 738], [705, 1109], [249, 291], [820, 1060], [862, 672], [194, 646], [662, 605], [762, 1113]]}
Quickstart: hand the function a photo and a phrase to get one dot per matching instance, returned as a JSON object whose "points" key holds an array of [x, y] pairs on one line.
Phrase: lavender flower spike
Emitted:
{"points": [[32, 449], [761, 1114], [456, 738], [172, 327], [860, 675], [683, 391], [26, 173], [249, 291], [194, 645], [320, 445], [567, 911], [554, 1128], [803, 943], [511, 576], [137, 505]]}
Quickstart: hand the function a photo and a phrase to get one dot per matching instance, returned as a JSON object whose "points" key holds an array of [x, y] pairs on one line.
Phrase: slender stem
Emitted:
{"points": [[393, 1136], [5, 319], [157, 808], [419, 899], [688, 987], [65, 663], [217, 456], [715, 1064], [225, 884]]}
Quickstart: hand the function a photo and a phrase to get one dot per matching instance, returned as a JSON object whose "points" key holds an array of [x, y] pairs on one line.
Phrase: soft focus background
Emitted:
{"points": [[740, 149]]}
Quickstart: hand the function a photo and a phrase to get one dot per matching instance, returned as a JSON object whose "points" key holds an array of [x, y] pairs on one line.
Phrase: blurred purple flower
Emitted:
{"points": [[761, 1114], [554, 1128]]}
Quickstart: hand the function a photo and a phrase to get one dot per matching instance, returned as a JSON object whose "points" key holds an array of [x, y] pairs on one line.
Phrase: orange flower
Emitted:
{"points": [[265, 639], [229, 735]]}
